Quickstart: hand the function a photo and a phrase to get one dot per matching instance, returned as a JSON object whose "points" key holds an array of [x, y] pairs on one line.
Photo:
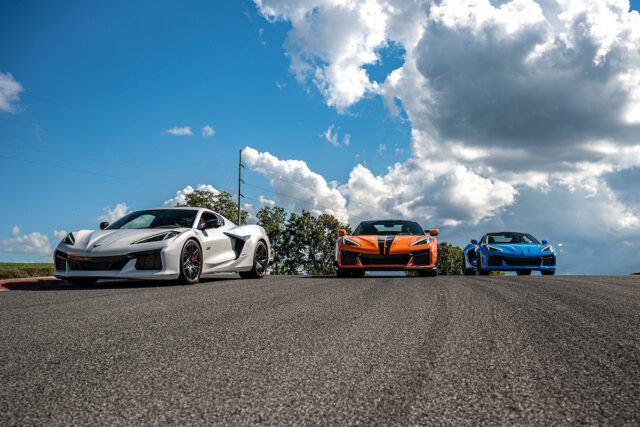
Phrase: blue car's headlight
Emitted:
{"points": [[492, 248], [348, 241], [548, 248], [423, 241], [158, 237], [69, 239]]}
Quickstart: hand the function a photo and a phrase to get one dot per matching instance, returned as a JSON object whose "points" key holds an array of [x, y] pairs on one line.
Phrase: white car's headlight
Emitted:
{"points": [[423, 241], [69, 239], [348, 241], [158, 237], [548, 248], [492, 248]]}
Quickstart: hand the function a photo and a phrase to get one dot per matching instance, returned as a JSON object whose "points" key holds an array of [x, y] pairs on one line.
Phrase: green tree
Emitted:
{"points": [[274, 222], [298, 243], [449, 259], [323, 244], [221, 203], [302, 243]]}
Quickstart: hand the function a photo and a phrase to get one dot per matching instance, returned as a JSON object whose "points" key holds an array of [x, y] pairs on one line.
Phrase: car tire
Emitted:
{"points": [[260, 263], [357, 273], [548, 272], [479, 269], [466, 271], [81, 281], [427, 273], [524, 272], [190, 263], [343, 273]]}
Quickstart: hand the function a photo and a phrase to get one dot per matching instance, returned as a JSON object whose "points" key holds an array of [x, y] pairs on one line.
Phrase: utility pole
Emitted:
{"points": [[240, 181]]}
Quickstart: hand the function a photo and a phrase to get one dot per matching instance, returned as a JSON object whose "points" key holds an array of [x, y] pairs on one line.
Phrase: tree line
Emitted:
{"points": [[303, 243]]}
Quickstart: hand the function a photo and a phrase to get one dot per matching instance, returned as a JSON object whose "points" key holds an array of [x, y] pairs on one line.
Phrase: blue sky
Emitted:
{"points": [[125, 72], [157, 66]]}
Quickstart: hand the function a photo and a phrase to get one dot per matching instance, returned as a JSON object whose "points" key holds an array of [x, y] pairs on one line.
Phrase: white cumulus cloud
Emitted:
{"points": [[15, 230], [31, 244], [295, 186], [508, 101], [180, 131], [9, 92], [266, 202], [509, 89], [181, 195], [331, 135], [120, 210], [208, 131], [60, 234]]}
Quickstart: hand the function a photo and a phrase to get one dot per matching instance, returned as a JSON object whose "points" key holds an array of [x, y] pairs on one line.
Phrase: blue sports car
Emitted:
{"points": [[509, 251]]}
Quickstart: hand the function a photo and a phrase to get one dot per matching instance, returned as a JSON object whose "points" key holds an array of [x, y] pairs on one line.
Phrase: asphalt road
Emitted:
{"points": [[316, 350]]}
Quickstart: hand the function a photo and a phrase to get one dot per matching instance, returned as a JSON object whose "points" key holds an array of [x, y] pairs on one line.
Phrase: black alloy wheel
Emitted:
{"points": [[260, 263], [190, 263]]}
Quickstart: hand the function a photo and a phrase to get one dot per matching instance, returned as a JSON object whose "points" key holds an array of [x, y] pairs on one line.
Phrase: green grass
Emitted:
{"points": [[13, 270]]}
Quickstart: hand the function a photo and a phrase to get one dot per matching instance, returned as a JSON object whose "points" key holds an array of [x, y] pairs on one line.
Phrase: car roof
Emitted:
{"points": [[188, 208], [389, 220]]}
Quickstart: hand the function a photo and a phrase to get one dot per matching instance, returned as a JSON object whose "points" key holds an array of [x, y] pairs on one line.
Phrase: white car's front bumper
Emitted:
{"points": [[160, 264]]}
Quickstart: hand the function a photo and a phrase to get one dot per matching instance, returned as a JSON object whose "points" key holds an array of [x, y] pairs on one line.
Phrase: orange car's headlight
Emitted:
{"points": [[423, 241], [348, 241]]}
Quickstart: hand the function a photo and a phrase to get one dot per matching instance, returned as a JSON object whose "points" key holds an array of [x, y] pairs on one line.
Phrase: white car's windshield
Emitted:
{"points": [[156, 218]]}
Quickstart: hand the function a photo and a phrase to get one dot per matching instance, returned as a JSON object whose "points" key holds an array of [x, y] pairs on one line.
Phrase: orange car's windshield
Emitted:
{"points": [[373, 228]]}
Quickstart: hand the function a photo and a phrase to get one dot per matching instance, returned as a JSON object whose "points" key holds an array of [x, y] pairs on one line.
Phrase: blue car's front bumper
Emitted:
{"points": [[499, 261]]}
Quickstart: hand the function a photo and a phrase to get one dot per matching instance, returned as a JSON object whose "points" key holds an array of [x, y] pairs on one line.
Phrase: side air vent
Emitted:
{"points": [[349, 258], [422, 258], [495, 260], [60, 260], [149, 261], [549, 260]]}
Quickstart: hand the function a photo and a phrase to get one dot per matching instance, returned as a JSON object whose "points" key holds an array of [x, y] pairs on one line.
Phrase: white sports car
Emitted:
{"points": [[180, 244]]}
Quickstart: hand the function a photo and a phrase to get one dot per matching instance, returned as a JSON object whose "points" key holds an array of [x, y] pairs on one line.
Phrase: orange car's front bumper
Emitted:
{"points": [[423, 259]]}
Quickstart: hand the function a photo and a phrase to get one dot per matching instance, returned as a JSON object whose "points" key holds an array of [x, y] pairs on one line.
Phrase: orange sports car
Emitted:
{"points": [[386, 245]]}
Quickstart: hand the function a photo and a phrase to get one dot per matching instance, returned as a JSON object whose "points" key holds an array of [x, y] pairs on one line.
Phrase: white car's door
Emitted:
{"points": [[217, 246]]}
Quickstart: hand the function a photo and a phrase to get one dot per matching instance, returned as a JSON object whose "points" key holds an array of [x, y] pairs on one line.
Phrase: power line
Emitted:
{"points": [[77, 156], [85, 110], [84, 171], [71, 107], [145, 181], [88, 111], [111, 117], [104, 141]]}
